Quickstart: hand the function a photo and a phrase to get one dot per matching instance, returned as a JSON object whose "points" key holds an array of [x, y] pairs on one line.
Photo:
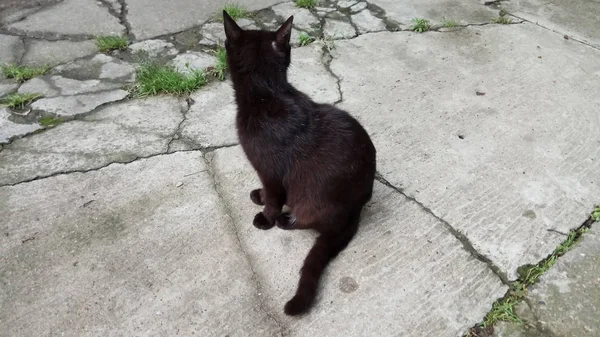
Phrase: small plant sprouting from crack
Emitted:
{"points": [[153, 79], [305, 39], [220, 69], [504, 309], [308, 4], [421, 25], [19, 101], [49, 121], [449, 23], [235, 11], [111, 42], [502, 19], [23, 73], [596, 214]]}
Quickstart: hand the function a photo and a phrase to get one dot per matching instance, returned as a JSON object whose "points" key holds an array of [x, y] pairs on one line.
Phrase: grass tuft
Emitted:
{"points": [[305, 39], [449, 23], [50, 121], [235, 11], [502, 20], [19, 101], [308, 4], [596, 214], [111, 42], [153, 79], [23, 73], [421, 25], [220, 69]]}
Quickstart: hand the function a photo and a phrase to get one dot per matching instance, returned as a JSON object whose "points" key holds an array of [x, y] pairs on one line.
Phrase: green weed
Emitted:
{"points": [[23, 73], [50, 121], [220, 69], [236, 11], [153, 79], [19, 101], [502, 20], [308, 4], [111, 42], [305, 39], [421, 25]]}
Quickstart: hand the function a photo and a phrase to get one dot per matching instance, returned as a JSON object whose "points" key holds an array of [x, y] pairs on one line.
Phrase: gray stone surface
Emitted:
{"points": [[408, 276], [100, 66], [10, 127], [83, 249], [309, 75], [303, 18], [211, 119], [576, 18], [7, 87], [55, 52], [11, 49], [154, 48], [358, 7], [367, 22], [117, 133], [71, 17], [65, 106], [502, 172], [151, 18], [212, 33], [190, 61], [53, 85], [463, 12], [335, 29]]}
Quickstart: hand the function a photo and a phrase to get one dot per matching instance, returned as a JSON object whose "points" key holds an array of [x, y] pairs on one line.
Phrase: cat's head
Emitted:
{"points": [[257, 51]]}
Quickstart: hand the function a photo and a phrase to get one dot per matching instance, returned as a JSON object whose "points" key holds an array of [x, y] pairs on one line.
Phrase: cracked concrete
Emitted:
{"points": [[487, 152]]}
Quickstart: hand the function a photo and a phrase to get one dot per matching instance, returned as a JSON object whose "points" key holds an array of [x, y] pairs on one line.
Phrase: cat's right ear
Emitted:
{"points": [[232, 30], [285, 31]]}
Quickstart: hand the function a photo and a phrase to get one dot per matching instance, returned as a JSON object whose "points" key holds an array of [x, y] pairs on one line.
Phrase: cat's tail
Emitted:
{"points": [[325, 249]]}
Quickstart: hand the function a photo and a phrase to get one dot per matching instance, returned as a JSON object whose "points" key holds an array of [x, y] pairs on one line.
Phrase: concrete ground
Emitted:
{"points": [[132, 217]]}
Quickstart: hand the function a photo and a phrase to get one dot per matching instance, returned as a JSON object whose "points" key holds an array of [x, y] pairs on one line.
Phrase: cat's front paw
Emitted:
{"points": [[261, 222], [256, 197], [285, 221]]}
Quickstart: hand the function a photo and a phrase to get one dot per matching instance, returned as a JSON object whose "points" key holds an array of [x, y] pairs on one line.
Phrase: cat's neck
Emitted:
{"points": [[250, 87]]}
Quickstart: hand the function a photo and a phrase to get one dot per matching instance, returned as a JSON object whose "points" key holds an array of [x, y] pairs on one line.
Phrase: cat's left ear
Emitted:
{"points": [[232, 30], [285, 31]]}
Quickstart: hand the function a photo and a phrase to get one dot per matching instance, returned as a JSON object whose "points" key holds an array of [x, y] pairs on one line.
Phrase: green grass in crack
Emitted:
{"points": [[421, 25], [50, 121], [23, 73], [220, 69], [306, 3], [449, 23], [305, 39], [596, 214], [111, 42], [235, 11], [502, 20], [504, 309], [19, 101], [153, 79]]}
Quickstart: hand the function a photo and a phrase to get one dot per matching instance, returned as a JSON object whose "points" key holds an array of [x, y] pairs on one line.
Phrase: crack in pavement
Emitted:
{"points": [[184, 111], [463, 239], [255, 277]]}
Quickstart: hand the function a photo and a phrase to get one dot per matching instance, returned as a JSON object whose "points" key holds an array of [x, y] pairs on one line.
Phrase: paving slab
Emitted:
{"points": [[69, 106], [56, 52], [84, 18], [119, 132], [151, 18], [99, 66], [143, 249], [404, 274], [7, 87], [11, 49], [463, 12], [494, 128], [11, 126], [576, 18]]}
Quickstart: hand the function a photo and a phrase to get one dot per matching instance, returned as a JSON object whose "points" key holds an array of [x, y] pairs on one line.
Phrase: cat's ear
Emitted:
{"points": [[285, 31], [232, 30]]}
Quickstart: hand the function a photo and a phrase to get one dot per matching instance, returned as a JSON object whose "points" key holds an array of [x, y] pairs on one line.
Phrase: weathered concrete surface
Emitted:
{"points": [[118, 133], [463, 12], [140, 249], [336, 29], [55, 52], [66, 106], [566, 299], [100, 66], [308, 73], [404, 274], [151, 18], [11, 127], [71, 17], [502, 166], [578, 18], [11, 49]]}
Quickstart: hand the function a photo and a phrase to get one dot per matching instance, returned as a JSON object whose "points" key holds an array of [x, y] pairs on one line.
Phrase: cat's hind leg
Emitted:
{"points": [[258, 196]]}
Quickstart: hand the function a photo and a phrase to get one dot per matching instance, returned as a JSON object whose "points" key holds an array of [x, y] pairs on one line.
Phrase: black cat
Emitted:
{"points": [[313, 157]]}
